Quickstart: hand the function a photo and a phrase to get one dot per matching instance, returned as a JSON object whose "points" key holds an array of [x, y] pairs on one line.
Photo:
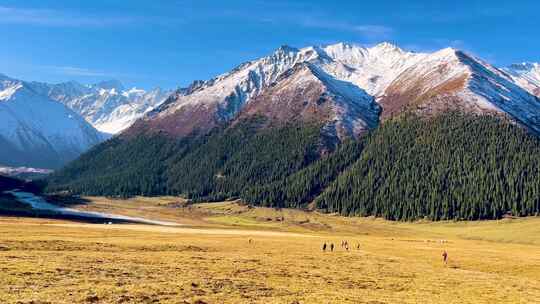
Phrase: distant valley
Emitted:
{"points": [[46, 125]]}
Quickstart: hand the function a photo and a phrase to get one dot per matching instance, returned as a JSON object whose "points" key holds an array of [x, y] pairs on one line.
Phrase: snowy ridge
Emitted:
{"points": [[17, 171], [108, 106], [372, 69], [38, 131], [307, 93], [228, 93], [368, 68], [355, 110], [495, 89], [396, 79], [527, 74]]}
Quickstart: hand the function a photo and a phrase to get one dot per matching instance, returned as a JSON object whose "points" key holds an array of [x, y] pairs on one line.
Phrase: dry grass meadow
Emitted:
{"points": [[211, 260]]}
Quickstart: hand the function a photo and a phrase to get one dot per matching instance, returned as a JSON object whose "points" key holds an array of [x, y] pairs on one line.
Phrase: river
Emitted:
{"points": [[39, 203]]}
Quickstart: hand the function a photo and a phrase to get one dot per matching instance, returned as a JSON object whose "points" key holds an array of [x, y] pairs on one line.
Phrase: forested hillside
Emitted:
{"points": [[119, 167], [217, 166], [452, 166], [300, 188], [241, 158]]}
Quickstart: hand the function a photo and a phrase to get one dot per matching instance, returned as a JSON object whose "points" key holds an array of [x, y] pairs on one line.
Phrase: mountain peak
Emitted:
{"points": [[340, 45], [387, 47], [525, 66], [286, 49], [110, 84], [7, 93], [527, 74], [449, 51], [4, 77]]}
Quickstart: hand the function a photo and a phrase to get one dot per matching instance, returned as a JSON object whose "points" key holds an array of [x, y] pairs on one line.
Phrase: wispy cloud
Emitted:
{"points": [[474, 12], [374, 31], [60, 18], [61, 73], [76, 71], [292, 16], [73, 71], [368, 30]]}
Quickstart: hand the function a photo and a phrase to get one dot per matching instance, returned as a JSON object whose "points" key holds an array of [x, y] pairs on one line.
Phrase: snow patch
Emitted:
{"points": [[8, 92]]}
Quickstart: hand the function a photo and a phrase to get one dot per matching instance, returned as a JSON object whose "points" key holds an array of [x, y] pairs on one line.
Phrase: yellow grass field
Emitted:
{"points": [[211, 260]]}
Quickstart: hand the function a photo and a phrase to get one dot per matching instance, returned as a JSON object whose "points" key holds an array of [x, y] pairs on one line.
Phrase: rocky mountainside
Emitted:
{"points": [[38, 131], [107, 105], [348, 88], [309, 94], [527, 74]]}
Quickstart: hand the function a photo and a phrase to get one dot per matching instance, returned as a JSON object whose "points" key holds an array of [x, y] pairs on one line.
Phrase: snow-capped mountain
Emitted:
{"points": [[527, 74], [309, 94], [107, 105], [348, 87], [38, 131]]}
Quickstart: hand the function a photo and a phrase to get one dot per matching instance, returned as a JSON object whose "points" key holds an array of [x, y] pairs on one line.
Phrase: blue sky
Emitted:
{"points": [[170, 43]]}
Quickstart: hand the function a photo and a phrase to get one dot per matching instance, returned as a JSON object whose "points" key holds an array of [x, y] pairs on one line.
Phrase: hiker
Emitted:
{"points": [[332, 247], [357, 246], [324, 247], [445, 257], [250, 241]]}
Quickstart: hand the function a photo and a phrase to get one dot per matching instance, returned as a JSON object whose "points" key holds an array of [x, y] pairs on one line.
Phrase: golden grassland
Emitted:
{"points": [[210, 259]]}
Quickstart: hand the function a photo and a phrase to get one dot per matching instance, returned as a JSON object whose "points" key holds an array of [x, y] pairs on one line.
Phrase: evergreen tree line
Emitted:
{"points": [[243, 157], [119, 167], [453, 166], [299, 189], [218, 166]]}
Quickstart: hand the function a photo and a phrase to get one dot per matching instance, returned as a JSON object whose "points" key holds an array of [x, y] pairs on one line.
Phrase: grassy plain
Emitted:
{"points": [[210, 259]]}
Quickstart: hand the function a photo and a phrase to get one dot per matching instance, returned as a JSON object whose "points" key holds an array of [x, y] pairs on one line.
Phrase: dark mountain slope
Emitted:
{"points": [[452, 166], [242, 157], [119, 167], [449, 166], [217, 166]]}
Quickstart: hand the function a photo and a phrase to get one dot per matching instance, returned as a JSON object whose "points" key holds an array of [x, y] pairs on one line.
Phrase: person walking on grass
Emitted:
{"points": [[332, 247], [324, 247], [445, 257]]}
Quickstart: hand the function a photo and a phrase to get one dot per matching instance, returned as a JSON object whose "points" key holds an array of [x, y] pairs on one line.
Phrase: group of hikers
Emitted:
{"points": [[344, 245]]}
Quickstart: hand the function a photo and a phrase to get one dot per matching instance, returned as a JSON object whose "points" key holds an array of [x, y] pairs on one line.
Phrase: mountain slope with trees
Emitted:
{"points": [[451, 166], [217, 166]]}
